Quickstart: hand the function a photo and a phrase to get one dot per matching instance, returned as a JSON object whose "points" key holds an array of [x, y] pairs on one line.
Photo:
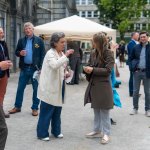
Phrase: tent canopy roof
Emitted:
{"points": [[74, 27]]}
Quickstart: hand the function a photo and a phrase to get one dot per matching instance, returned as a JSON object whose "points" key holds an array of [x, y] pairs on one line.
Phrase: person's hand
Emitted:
{"points": [[23, 52], [68, 52], [4, 65], [113, 46], [10, 64], [88, 69]]}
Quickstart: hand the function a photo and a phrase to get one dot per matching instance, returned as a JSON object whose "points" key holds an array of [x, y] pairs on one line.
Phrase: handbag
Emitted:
{"points": [[68, 74], [2, 74]]}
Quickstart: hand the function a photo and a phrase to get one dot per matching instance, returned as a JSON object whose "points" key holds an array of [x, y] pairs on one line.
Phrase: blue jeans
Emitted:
{"points": [[49, 113], [25, 75], [137, 77]]}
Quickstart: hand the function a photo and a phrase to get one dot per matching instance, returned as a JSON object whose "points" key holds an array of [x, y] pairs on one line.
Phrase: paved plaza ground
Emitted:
{"points": [[130, 133]]}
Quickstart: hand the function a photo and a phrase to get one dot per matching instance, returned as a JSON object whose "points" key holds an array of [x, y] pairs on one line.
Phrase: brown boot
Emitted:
{"points": [[14, 110], [34, 112]]}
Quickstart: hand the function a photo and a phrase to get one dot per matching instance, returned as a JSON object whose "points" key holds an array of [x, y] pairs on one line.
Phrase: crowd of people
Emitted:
{"points": [[49, 90]]}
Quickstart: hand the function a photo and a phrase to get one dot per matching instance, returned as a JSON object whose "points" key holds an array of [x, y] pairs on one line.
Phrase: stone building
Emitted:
{"points": [[87, 9], [14, 13]]}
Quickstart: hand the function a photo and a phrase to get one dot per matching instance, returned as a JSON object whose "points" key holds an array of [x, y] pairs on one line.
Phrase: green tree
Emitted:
{"points": [[120, 13]]}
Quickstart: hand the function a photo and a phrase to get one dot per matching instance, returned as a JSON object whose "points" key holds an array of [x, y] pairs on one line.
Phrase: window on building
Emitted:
{"points": [[2, 22], [96, 14], [144, 26], [83, 14], [148, 26], [78, 2], [144, 14], [90, 2], [137, 26], [19, 4], [78, 13], [89, 14], [107, 25], [83, 2]]}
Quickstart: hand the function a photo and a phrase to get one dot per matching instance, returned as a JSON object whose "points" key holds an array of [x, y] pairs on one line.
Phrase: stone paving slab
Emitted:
{"points": [[130, 133]]}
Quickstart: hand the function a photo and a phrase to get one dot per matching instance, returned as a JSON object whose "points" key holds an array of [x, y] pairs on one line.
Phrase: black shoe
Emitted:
{"points": [[76, 83], [116, 85], [131, 95], [113, 122], [70, 83]]}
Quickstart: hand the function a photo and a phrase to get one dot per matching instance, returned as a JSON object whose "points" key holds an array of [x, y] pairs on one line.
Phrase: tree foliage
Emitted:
{"points": [[120, 13]]}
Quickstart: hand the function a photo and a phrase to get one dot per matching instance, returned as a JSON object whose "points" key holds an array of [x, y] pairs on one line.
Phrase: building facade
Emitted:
{"points": [[87, 9], [14, 13], [51, 10]]}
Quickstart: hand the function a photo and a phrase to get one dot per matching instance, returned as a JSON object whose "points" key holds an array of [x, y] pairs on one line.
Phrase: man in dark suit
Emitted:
{"points": [[31, 51], [75, 60], [4, 65], [131, 44]]}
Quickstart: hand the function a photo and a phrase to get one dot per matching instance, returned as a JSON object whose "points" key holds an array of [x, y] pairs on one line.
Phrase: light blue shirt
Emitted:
{"points": [[142, 63], [28, 48]]}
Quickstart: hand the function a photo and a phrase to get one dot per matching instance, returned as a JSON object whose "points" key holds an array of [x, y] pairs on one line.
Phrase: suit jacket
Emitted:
{"points": [[130, 47], [99, 90], [135, 58], [37, 48]]}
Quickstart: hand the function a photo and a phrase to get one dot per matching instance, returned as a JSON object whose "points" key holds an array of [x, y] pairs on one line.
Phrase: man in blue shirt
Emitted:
{"points": [[140, 65], [31, 51]]}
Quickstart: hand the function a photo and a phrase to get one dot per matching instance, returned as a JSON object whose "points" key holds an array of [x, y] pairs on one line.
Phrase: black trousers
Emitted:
{"points": [[3, 129], [75, 66]]}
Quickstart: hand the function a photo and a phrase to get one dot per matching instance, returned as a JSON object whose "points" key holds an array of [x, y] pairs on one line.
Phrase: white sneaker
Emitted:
{"points": [[134, 112], [45, 139], [105, 139], [147, 113], [94, 134], [60, 135]]}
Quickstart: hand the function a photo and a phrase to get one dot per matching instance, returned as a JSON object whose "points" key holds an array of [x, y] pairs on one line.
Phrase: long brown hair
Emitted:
{"points": [[100, 42]]}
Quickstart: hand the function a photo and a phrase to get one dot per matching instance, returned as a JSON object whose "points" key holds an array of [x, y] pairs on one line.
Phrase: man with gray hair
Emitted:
{"points": [[31, 51], [130, 46]]}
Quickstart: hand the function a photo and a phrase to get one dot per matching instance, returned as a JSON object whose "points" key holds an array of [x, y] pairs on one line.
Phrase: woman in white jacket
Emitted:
{"points": [[51, 87]]}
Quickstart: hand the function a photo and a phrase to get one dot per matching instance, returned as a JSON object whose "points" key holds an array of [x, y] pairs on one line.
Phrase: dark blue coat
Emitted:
{"points": [[37, 48], [135, 58], [4, 52], [130, 47]]}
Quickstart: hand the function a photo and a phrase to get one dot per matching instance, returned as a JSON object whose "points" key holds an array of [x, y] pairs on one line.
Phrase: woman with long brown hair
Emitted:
{"points": [[99, 90]]}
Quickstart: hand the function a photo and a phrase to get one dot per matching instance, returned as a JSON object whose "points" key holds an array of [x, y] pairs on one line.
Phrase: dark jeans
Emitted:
{"points": [[3, 129], [75, 66], [138, 76], [25, 76], [49, 113], [131, 84]]}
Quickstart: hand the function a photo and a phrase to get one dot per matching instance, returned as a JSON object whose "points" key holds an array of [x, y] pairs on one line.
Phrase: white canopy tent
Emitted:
{"points": [[74, 27]]}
